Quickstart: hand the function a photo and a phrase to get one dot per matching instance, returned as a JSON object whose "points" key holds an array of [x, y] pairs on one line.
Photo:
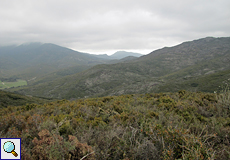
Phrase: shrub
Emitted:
{"points": [[50, 146]]}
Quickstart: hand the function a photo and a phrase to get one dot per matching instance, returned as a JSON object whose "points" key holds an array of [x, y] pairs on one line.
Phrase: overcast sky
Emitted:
{"points": [[106, 26]]}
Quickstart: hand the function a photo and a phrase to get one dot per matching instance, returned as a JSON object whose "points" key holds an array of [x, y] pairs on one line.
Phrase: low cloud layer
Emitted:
{"points": [[102, 26]]}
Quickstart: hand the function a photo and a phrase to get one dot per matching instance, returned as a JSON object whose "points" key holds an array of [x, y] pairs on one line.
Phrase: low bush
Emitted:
{"points": [[182, 125]]}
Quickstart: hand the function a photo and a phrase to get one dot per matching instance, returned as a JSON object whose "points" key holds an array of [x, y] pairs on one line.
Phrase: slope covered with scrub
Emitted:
{"points": [[11, 99], [181, 125], [169, 69]]}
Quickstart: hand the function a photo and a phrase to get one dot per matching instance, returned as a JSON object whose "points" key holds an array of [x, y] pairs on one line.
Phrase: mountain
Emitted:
{"points": [[36, 59], [123, 54], [166, 69], [119, 55]]}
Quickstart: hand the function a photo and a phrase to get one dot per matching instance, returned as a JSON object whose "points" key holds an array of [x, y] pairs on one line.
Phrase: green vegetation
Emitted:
{"points": [[11, 99], [204, 83], [181, 125], [199, 65], [18, 83]]}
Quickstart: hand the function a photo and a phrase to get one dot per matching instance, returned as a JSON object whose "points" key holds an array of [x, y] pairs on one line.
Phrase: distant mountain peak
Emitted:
{"points": [[123, 54]]}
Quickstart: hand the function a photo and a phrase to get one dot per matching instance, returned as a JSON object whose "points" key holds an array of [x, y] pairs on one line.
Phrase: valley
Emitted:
{"points": [[17, 83], [170, 104], [115, 80], [190, 65]]}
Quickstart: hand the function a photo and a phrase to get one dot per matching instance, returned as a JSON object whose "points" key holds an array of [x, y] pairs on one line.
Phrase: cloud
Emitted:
{"points": [[101, 25]]}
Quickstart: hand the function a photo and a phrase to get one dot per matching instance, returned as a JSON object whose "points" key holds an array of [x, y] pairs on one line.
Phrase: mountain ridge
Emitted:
{"points": [[34, 59], [123, 54], [144, 74], [119, 55]]}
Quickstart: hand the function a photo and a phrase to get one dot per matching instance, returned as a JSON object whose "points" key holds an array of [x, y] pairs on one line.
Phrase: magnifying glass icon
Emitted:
{"points": [[9, 147]]}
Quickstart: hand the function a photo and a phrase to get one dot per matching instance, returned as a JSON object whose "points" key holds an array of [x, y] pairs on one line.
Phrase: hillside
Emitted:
{"points": [[31, 60], [126, 59], [11, 99], [58, 74], [166, 69], [182, 125]]}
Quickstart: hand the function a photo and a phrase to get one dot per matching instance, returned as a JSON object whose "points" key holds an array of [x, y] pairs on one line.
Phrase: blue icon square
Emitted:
{"points": [[10, 148]]}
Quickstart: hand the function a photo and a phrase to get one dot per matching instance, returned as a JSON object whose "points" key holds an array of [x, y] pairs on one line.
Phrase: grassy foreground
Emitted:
{"points": [[182, 125]]}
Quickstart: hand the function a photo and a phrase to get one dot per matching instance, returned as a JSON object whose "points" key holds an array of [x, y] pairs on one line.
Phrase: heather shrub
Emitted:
{"points": [[182, 125]]}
